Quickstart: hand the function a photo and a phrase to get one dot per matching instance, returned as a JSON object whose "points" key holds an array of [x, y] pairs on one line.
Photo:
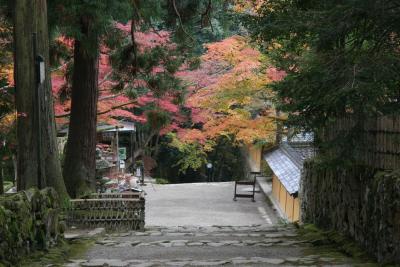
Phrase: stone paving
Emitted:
{"points": [[204, 204], [248, 234], [254, 245]]}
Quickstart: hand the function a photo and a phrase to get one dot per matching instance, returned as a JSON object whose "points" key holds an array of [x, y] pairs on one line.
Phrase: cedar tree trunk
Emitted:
{"points": [[1, 181], [30, 16], [80, 158]]}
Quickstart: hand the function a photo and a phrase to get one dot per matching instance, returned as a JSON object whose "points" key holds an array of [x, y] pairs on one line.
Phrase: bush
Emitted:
{"points": [[161, 181]]}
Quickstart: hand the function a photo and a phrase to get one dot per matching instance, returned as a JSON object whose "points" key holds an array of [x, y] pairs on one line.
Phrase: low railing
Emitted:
{"points": [[116, 212]]}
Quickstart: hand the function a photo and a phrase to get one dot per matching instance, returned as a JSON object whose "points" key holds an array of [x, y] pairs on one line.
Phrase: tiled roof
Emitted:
{"points": [[304, 137], [285, 169], [298, 152], [286, 162], [123, 126]]}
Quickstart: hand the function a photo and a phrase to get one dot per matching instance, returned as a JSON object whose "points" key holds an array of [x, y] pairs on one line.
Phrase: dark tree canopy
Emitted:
{"points": [[341, 57]]}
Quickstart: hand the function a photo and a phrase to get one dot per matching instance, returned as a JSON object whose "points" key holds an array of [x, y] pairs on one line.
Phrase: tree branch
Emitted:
{"points": [[206, 16], [110, 96], [180, 20], [105, 78], [117, 107], [61, 66], [101, 112]]}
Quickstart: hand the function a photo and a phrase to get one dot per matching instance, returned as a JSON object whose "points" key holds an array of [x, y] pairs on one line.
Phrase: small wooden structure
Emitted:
{"points": [[289, 203], [286, 162], [117, 212], [251, 182]]}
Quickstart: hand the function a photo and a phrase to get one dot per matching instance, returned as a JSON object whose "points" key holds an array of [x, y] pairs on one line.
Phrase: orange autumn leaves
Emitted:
{"points": [[7, 114], [229, 94]]}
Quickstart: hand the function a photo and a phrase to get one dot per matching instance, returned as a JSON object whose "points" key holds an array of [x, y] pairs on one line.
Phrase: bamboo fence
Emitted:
{"points": [[116, 212], [378, 140]]}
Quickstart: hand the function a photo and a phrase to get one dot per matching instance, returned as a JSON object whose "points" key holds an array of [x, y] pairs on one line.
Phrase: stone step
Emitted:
{"points": [[217, 229], [263, 242], [236, 261]]}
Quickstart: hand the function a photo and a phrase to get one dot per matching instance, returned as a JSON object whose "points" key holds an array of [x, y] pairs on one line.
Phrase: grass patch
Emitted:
{"points": [[58, 256]]}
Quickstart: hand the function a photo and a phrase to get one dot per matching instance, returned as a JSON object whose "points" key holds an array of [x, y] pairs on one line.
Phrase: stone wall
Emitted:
{"points": [[28, 222], [360, 203]]}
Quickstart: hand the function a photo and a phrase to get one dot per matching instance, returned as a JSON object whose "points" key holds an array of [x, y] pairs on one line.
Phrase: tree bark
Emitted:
{"points": [[1, 180], [30, 16], [80, 158], [24, 77]]}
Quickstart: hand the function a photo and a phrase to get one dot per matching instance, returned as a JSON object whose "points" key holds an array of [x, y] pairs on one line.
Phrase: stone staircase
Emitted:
{"points": [[253, 245]]}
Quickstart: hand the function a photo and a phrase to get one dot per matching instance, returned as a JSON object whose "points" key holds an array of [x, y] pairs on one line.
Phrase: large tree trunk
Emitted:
{"points": [[30, 16], [1, 180], [80, 158]]}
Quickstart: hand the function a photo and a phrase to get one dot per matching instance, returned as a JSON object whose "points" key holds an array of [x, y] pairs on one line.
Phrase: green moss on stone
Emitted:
{"points": [[332, 244], [28, 221], [59, 255]]}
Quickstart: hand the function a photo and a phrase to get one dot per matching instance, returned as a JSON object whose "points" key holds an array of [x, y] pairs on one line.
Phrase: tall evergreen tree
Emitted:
{"points": [[85, 22], [30, 16]]}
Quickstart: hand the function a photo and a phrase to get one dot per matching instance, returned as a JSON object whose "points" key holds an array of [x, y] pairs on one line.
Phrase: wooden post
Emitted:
{"points": [[117, 141]]}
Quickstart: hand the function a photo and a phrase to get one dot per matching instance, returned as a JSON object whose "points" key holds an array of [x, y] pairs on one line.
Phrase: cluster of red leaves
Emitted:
{"points": [[231, 74], [115, 106]]}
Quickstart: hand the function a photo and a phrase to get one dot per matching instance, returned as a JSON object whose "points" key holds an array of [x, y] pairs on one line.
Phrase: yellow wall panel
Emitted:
{"points": [[289, 207], [288, 204], [275, 187], [282, 197], [296, 210]]}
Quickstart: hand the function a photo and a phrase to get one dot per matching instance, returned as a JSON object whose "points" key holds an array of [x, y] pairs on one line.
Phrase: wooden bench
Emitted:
{"points": [[116, 212], [249, 182]]}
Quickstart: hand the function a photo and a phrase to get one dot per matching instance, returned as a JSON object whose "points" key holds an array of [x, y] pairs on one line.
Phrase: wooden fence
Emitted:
{"points": [[116, 212], [378, 140]]}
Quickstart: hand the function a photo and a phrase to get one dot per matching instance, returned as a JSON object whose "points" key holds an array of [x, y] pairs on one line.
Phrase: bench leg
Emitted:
{"points": [[234, 193], [254, 188]]}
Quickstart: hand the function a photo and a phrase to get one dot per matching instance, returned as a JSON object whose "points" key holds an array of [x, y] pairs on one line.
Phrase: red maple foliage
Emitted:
{"points": [[113, 106]]}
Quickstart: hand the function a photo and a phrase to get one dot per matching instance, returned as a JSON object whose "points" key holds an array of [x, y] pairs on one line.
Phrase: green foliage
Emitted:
{"points": [[185, 162], [192, 156], [58, 52], [70, 14], [161, 181], [157, 119], [131, 65], [198, 22], [227, 159], [340, 57]]}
